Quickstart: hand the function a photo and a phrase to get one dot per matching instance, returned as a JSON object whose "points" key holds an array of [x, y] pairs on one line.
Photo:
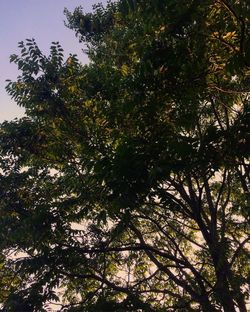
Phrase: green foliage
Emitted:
{"points": [[126, 185]]}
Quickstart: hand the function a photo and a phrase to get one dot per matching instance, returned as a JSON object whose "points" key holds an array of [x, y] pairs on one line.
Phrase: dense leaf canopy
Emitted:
{"points": [[126, 185]]}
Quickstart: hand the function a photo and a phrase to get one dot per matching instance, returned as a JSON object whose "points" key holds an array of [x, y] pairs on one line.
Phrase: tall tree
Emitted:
{"points": [[126, 186]]}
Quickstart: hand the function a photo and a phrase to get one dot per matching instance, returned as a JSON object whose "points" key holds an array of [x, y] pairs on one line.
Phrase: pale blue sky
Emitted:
{"points": [[39, 19]]}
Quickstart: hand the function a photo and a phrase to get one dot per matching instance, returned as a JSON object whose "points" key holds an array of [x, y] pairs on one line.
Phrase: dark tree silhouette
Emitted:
{"points": [[126, 185]]}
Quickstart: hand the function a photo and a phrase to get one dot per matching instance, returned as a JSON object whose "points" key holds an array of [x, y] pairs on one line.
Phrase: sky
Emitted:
{"points": [[39, 19]]}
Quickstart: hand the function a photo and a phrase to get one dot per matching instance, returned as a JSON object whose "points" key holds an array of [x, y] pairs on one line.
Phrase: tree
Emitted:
{"points": [[126, 185]]}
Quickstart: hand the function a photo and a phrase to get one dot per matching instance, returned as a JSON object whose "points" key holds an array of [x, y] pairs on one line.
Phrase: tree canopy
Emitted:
{"points": [[126, 185]]}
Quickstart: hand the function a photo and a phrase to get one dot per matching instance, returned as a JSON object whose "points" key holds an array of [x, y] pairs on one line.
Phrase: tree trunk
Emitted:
{"points": [[223, 293]]}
